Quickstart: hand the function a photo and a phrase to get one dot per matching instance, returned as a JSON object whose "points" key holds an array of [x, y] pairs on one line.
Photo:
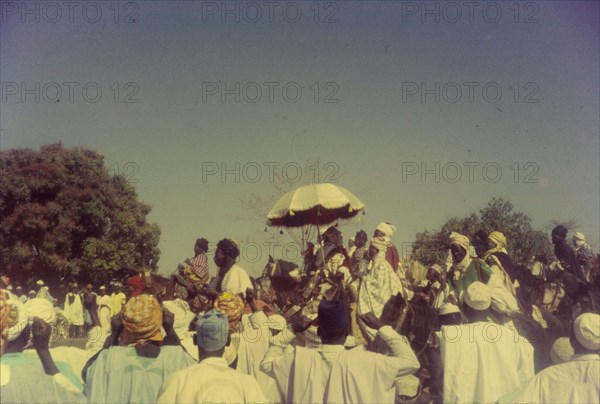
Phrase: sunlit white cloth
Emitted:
{"points": [[377, 287], [576, 381], [483, 361]]}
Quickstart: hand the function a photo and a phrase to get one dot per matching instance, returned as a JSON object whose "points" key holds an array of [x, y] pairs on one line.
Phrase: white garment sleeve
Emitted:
{"points": [[401, 349], [502, 299], [276, 350]]}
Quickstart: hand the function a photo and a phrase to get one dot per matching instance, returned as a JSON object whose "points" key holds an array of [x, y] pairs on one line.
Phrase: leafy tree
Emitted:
{"points": [[523, 241], [63, 215]]}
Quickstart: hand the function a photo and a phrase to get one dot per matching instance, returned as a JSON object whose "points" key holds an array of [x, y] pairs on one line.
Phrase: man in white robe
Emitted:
{"points": [[104, 308], [211, 380], [231, 277], [576, 381], [256, 332], [73, 311], [134, 370], [379, 284], [330, 372], [482, 360], [43, 292]]}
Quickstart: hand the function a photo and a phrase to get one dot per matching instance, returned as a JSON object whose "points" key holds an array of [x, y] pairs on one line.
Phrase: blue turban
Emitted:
{"points": [[333, 315], [212, 330]]}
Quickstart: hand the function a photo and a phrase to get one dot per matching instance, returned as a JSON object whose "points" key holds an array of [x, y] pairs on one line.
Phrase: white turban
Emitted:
{"points": [[40, 282], [380, 243], [579, 236], [478, 296], [459, 239], [42, 308], [448, 308], [586, 328], [561, 351], [386, 228], [183, 315], [21, 319]]}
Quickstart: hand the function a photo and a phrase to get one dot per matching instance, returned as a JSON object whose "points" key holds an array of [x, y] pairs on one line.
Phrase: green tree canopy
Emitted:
{"points": [[63, 215], [523, 241]]}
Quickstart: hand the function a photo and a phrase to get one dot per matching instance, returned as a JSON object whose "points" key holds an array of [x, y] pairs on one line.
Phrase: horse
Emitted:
{"points": [[418, 321]]}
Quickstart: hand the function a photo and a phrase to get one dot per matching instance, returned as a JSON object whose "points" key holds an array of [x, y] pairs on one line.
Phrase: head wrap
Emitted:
{"points": [[31, 292], [137, 283], [478, 296], [40, 282], [229, 248], [102, 287], [499, 240], [386, 228], [561, 351], [380, 243], [142, 320], [232, 306], [212, 330], [459, 239], [41, 308], [579, 236], [276, 322], [182, 312], [436, 268], [448, 308], [17, 319], [586, 328], [333, 315]]}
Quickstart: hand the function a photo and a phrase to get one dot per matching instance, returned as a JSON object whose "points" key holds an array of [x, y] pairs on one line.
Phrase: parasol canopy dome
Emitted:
{"points": [[314, 204]]}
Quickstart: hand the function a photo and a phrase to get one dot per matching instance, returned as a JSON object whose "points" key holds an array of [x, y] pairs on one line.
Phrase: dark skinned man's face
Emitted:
{"points": [[458, 253], [219, 258]]}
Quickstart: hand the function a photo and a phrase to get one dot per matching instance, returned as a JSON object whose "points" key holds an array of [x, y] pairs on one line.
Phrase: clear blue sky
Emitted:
{"points": [[405, 92]]}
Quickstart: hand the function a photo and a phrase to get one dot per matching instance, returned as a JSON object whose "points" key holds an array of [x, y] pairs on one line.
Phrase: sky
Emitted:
{"points": [[424, 110]]}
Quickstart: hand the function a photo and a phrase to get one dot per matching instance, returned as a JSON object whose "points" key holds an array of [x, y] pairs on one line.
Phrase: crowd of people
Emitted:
{"points": [[342, 336]]}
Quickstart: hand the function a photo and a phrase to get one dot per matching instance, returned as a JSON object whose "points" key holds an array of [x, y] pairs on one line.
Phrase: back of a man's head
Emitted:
{"points": [[333, 321], [585, 334]]}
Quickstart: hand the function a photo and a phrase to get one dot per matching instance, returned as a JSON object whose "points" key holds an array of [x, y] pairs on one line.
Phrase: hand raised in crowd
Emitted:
{"points": [[40, 332], [372, 321], [300, 323], [116, 324]]}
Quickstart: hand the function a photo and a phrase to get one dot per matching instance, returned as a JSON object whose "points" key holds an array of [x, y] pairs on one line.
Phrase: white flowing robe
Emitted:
{"points": [[253, 344], [576, 381], [73, 312], [330, 373], [483, 361], [119, 375], [104, 312], [210, 381], [377, 287]]}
